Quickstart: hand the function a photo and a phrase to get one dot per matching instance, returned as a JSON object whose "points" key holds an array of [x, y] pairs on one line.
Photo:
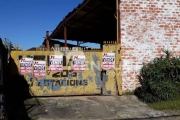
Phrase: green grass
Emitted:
{"points": [[129, 93], [166, 105]]}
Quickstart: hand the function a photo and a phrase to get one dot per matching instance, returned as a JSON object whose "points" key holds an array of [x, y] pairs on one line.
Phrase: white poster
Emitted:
{"points": [[79, 63], [39, 69], [108, 62], [26, 66], [56, 63]]}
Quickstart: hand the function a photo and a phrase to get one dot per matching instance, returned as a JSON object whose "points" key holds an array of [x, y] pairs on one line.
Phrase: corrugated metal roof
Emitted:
{"points": [[90, 21]]}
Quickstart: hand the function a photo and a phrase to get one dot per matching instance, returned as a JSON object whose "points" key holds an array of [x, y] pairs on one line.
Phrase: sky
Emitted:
{"points": [[25, 22]]}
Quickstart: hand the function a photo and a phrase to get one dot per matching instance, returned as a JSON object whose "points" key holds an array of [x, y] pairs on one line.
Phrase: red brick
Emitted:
{"points": [[141, 40]]}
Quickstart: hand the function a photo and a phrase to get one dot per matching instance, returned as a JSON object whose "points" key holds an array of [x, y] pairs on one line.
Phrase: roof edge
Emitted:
{"points": [[70, 15]]}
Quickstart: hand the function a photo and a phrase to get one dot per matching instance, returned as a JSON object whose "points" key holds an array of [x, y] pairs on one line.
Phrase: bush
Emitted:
{"points": [[159, 79]]}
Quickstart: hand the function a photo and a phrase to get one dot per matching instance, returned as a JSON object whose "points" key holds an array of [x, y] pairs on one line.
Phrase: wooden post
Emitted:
{"points": [[47, 41], [65, 36]]}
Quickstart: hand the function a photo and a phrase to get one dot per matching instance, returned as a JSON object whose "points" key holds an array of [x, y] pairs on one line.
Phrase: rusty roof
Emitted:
{"points": [[91, 21], [58, 42]]}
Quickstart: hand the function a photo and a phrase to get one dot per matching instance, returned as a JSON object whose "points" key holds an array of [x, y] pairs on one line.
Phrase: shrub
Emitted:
{"points": [[159, 79]]}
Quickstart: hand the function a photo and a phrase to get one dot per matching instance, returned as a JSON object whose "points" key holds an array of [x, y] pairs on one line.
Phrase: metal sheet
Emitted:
{"points": [[91, 81], [50, 85], [109, 76]]}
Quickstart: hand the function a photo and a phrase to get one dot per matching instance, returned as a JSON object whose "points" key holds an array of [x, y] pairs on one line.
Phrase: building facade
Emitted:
{"points": [[143, 28], [147, 27]]}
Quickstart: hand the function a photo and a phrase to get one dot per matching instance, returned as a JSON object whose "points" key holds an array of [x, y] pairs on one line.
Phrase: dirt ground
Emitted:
{"points": [[96, 107]]}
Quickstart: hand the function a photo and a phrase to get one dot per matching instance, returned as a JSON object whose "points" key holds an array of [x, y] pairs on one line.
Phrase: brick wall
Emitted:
{"points": [[147, 27]]}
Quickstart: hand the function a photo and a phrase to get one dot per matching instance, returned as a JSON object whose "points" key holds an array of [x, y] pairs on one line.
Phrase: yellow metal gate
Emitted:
{"points": [[93, 80]]}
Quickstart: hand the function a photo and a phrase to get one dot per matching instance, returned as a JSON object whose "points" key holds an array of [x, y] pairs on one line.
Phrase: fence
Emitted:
{"points": [[80, 71]]}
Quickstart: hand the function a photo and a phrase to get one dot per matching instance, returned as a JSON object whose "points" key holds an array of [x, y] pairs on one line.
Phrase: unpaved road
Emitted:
{"points": [[95, 107]]}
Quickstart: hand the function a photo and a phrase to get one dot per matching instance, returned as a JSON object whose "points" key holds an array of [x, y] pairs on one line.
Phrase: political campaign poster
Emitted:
{"points": [[55, 63], [26, 66], [108, 62], [79, 63], [39, 68]]}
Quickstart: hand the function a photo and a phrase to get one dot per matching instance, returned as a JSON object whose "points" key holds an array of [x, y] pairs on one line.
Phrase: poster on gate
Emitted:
{"points": [[55, 63], [26, 66], [108, 61], [79, 63], [39, 68]]}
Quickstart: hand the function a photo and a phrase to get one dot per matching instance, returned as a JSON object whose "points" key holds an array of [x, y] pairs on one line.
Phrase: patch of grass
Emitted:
{"points": [[166, 105], [129, 93]]}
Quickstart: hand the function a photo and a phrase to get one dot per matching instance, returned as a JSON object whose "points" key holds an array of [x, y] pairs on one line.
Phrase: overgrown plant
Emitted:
{"points": [[160, 79]]}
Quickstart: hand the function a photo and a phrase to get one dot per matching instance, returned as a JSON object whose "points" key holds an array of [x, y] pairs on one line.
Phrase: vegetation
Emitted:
{"points": [[160, 79], [166, 105], [8, 44], [129, 93]]}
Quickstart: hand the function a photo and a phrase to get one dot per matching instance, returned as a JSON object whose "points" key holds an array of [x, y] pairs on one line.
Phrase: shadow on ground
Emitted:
{"points": [[17, 90]]}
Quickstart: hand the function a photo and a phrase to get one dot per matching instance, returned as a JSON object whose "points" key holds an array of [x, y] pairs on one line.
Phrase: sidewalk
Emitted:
{"points": [[93, 107]]}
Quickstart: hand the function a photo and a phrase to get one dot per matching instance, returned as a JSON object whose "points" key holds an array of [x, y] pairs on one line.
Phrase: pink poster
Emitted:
{"points": [[79, 63], [108, 62], [56, 63], [26, 66], [39, 69]]}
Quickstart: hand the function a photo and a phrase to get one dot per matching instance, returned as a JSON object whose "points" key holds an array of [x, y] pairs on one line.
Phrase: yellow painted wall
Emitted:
{"points": [[96, 80]]}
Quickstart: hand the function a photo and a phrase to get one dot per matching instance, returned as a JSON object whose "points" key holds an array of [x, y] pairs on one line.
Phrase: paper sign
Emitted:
{"points": [[79, 63], [39, 69], [26, 66], [56, 63], [108, 62]]}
